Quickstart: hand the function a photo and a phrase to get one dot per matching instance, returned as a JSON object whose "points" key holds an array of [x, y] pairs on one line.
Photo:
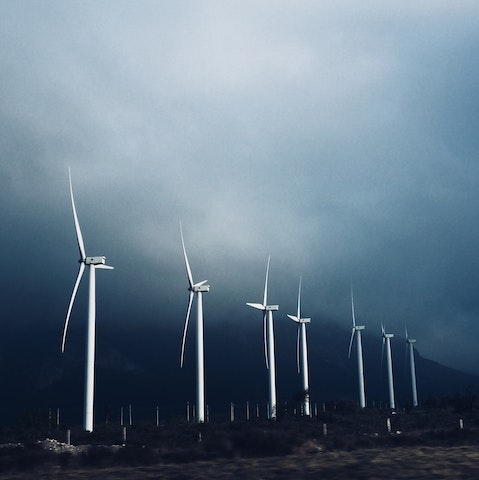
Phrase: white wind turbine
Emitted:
{"points": [[302, 352], [198, 289], [356, 331], [93, 263], [268, 342], [410, 346], [387, 339]]}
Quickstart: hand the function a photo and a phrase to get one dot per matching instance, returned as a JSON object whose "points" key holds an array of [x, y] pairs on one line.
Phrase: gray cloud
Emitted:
{"points": [[342, 139]]}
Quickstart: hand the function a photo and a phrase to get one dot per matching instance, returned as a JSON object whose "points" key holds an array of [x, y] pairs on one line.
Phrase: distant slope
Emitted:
{"points": [[140, 365]]}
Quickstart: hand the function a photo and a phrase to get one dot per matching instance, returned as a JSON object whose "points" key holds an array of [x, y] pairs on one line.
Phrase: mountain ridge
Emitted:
{"points": [[141, 366]]}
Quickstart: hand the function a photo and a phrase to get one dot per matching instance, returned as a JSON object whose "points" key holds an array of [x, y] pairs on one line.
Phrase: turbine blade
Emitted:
{"points": [[351, 342], [352, 307], [104, 267], [295, 319], [188, 269], [265, 296], [407, 344], [190, 301], [81, 245], [256, 305], [70, 306], [265, 339], [297, 347], [382, 354], [200, 283], [299, 298]]}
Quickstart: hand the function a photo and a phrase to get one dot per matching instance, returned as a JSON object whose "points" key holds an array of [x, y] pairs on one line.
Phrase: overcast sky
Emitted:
{"points": [[341, 137]]}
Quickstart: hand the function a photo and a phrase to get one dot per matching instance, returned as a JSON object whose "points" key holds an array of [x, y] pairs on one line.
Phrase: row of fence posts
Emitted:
{"points": [[325, 428], [191, 411], [191, 415]]}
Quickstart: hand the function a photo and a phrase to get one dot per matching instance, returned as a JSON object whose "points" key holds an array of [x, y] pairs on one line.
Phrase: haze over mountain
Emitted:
{"points": [[339, 137], [141, 367]]}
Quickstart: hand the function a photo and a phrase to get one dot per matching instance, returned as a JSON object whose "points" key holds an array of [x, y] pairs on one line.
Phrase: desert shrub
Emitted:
{"points": [[346, 408], [33, 457], [134, 456], [65, 460], [8, 458], [341, 442], [97, 457], [262, 442]]}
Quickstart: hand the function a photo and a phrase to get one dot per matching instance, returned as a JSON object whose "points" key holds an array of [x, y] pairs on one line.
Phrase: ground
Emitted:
{"points": [[370, 463]]}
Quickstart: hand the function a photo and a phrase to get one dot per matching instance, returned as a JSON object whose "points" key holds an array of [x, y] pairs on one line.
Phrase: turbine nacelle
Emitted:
{"points": [[101, 260], [200, 287], [358, 327], [271, 308], [299, 320], [266, 308], [384, 334], [410, 340]]}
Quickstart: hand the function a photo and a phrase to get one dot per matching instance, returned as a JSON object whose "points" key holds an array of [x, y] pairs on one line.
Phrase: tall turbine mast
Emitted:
{"points": [[387, 340], [356, 331], [196, 289], [302, 351], [93, 263], [268, 334], [410, 346]]}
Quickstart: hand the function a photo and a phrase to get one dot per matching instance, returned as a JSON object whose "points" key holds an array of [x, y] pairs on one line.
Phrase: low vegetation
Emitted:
{"points": [[443, 425]]}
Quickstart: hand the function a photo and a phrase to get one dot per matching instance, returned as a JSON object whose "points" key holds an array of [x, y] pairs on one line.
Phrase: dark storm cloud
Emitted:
{"points": [[342, 139]]}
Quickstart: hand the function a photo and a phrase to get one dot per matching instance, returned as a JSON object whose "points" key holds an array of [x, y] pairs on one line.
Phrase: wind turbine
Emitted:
{"points": [[387, 340], [410, 346], [93, 263], [356, 331], [303, 351], [268, 342], [198, 289]]}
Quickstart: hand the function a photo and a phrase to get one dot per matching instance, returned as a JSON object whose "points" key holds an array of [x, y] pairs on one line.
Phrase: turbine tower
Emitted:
{"points": [[356, 331], [410, 346], [198, 289], [93, 263], [268, 342], [302, 351], [387, 339]]}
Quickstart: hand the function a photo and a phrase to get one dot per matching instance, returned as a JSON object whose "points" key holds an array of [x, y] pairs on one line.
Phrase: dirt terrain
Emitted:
{"points": [[370, 463]]}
